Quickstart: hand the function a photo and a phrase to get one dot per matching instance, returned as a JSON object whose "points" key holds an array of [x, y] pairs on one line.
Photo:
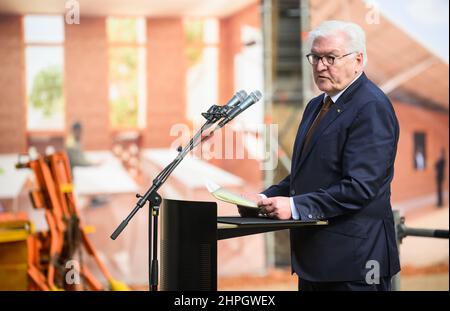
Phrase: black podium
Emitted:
{"points": [[189, 234]]}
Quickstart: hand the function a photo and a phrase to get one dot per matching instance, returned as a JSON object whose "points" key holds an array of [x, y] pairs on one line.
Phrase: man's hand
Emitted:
{"points": [[276, 207], [245, 211], [248, 211]]}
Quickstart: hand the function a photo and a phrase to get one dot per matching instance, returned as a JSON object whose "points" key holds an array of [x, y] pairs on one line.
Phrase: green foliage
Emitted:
{"points": [[122, 29], [123, 114], [46, 93], [194, 38], [194, 31], [194, 55], [124, 79]]}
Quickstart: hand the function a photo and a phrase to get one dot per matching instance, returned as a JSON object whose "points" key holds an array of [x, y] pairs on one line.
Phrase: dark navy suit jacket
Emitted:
{"points": [[344, 176]]}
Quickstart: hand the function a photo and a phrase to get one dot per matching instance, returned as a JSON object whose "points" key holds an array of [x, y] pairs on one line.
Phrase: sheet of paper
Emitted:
{"points": [[229, 196]]}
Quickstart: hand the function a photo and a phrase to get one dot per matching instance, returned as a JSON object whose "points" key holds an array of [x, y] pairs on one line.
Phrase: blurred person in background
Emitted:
{"points": [[74, 148], [440, 170], [77, 157]]}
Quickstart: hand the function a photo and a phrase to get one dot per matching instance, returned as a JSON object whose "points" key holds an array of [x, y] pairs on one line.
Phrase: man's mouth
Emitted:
{"points": [[322, 77]]}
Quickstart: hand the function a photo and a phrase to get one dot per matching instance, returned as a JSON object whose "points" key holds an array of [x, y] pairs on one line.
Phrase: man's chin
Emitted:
{"points": [[324, 87]]}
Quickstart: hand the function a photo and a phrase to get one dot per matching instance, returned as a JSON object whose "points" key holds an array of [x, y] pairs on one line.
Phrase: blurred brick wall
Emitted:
{"points": [[86, 80], [12, 86], [408, 182], [230, 44], [166, 80]]}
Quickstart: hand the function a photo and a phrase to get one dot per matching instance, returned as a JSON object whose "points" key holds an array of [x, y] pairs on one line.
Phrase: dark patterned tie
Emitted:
{"points": [[326, 106]]}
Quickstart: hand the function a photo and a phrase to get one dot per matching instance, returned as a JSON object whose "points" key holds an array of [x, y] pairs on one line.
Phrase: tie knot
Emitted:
{"points": [[328, 102]]}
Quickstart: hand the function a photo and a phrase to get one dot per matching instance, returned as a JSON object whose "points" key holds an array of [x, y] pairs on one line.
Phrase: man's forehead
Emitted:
{"points": [[326, 50], [330, 44]]}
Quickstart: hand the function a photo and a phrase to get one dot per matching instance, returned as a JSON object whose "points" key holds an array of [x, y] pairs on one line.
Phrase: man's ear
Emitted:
{"points": [[359, 62]]}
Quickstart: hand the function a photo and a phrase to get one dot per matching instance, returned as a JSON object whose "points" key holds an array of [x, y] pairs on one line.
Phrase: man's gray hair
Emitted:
{"points": [[355, 34]]}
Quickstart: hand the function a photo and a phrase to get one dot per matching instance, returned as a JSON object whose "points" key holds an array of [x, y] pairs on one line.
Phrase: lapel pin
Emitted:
{"points": [[339, 110]]}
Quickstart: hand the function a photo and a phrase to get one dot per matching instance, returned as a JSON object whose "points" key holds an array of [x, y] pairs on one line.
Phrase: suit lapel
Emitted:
{"points": [[302, 130], [329, 118], [335, 111]]}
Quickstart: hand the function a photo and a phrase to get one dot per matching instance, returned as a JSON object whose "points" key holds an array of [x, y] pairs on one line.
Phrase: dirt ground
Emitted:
{"points": [[433, 278]]}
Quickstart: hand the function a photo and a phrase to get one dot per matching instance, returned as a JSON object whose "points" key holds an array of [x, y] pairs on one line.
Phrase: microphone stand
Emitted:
{"points": [[154, 200]]}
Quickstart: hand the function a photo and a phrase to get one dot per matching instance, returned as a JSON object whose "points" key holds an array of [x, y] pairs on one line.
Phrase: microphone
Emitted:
{"points": [[215, 112], [250, 100], [236, 99]]}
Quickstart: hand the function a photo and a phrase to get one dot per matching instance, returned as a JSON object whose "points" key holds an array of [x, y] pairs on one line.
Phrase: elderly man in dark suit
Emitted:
{"points": [[342, 168]]}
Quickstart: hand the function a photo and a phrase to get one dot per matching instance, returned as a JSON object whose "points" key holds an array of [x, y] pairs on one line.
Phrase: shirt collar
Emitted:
{"points": [[334, 98]]}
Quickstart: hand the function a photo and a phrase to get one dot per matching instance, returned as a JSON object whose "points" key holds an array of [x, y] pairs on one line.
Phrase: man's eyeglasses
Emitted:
{"points": [[327, 60]]}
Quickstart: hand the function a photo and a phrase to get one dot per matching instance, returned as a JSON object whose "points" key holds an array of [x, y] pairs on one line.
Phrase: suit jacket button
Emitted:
{"points": [[292, 192]]}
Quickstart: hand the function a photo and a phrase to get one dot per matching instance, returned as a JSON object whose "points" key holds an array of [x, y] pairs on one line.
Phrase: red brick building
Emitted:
{"points": [[85, 70]]}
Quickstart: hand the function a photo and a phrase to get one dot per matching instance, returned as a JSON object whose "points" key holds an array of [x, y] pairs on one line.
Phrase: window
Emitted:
{"points": [[127, 81], [249, 73], [419, 151], [202, 37], [44, 56]]}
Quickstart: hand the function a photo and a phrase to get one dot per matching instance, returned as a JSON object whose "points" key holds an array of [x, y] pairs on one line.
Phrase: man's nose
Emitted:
{"points": [[320, 66]]}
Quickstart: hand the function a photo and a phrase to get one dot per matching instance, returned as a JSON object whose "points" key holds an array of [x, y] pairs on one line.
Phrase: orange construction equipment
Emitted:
{"points": [[55, 257]]}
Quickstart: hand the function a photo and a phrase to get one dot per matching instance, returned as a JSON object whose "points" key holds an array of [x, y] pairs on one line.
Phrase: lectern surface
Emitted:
{"points": [[235, 226], [237, 220]]}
